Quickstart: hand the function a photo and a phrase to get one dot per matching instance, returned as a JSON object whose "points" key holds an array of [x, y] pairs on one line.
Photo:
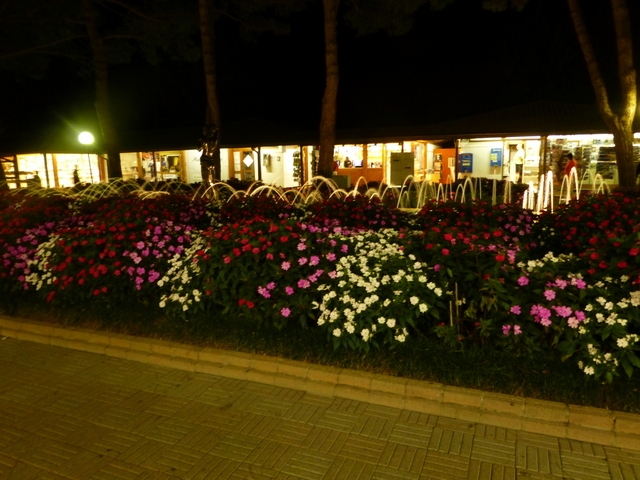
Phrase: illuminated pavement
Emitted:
{"points": [[66, 413]]}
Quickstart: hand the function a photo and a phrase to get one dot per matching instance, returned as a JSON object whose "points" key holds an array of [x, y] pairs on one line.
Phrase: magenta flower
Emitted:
{"points": [[285, 312], [289, 290], [522, 281], [304, 283], [516, 310], [549, 295], [271, 285], [331, 257], [506, 329]]}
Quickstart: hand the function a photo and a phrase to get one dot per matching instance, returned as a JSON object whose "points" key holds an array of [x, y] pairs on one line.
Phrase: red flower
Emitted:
{"points": [[445, 251], [500, 258], [634, 251], [622, 265]]}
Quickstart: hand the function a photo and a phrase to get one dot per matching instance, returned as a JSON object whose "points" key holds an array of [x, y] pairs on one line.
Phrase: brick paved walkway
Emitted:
{"points": [[71, 414]]}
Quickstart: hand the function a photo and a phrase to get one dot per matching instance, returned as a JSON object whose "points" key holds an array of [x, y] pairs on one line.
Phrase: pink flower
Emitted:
{"points": [[301, 246], [285, 312], [516, 310], [314, 260], [344, 248], [549, 295], [517, 330], [271, 285], [303, 260], [285, 266], [289, 290], [573, 322], [304, 283], [506, 329], [522, 281], [579, 283], [561, 284], [562, 311], [331, 257]]}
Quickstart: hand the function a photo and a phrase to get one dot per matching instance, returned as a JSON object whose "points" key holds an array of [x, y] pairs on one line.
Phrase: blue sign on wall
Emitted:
{"points": [[466, 163], [496, 157]]}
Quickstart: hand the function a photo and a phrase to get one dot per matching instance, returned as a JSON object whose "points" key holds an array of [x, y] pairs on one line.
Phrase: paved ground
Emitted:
{"points": [[71, 414]]}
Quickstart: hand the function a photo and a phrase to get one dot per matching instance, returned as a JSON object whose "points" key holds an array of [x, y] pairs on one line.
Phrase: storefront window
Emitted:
{"points": [[129, 162], [348, 156]]}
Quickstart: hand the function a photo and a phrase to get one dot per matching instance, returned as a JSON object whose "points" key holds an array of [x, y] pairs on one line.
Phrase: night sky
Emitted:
{"points": [[453, 63]]}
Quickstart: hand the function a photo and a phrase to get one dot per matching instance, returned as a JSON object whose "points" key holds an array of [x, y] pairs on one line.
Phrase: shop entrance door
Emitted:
{"points": [[243, 165], [447, 159]]}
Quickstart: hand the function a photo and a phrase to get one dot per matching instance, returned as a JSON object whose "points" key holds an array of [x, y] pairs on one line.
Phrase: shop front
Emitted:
{"points": [[54, 170], [519, 159], [525, 159]]}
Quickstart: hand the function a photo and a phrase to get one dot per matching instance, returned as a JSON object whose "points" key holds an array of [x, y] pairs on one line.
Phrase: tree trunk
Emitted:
{"points": [[103, 111], [207, 35], [620, 123], [329, 100]]}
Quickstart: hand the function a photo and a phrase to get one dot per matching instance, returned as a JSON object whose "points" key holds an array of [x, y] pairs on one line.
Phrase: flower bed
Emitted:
{"points": [[362, 273]]}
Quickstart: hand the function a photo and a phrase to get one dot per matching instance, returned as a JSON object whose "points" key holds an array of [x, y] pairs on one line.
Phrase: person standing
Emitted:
{"points": [[571, 163]]}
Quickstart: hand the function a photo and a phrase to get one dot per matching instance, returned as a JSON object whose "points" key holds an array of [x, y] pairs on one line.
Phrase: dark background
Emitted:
{"points": [[453, 63]]}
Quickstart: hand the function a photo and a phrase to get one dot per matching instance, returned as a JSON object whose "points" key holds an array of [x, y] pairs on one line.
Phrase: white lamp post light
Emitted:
{"points": [[86, 138]]}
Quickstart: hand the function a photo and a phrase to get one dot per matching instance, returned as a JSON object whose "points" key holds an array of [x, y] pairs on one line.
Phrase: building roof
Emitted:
{"points": [[535, 118]]}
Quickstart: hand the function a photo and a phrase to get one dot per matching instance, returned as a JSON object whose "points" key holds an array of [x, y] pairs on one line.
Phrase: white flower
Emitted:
{"points": [[438, 291], [414, 300], [382, 320], [623, 342], [391, 322], [337, 332], [431, 285], [589, 370], [423, 307], [400, 338], [365, 334], [349, 327], [320, 321], [163, 304]]}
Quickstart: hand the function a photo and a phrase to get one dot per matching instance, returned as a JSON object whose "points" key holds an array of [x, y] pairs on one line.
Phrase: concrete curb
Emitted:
{"points": [[594, 425]]}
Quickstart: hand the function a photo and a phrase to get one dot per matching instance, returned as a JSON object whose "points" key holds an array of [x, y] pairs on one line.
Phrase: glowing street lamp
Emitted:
{"points": [[86, 138]]}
